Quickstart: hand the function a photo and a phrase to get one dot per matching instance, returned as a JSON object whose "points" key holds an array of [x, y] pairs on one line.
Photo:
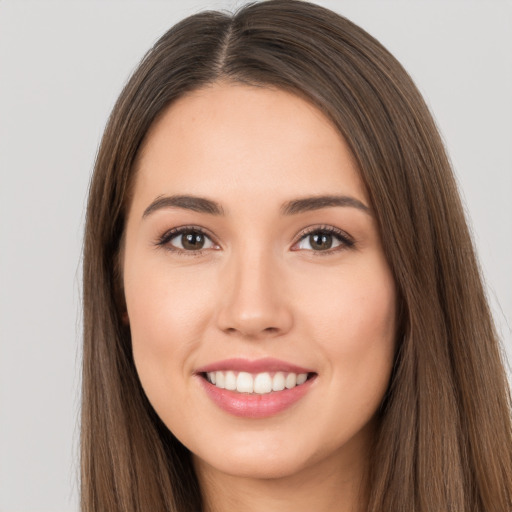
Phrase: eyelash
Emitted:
{"points": [[346, 241], [164, 240]]}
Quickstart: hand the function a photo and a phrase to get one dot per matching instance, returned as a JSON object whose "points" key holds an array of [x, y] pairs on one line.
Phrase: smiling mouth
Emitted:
{"points": [[258, 383], [255, 389]]}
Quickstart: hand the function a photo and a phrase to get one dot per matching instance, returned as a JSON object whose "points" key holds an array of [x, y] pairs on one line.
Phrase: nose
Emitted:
{"points": [[254, 304]]}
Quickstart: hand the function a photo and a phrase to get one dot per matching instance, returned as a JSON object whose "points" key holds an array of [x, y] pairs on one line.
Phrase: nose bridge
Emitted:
{"points": [[254, 302]]}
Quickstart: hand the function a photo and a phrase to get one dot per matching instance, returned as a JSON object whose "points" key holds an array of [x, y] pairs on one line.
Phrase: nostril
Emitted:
{"points": [[248, 332]]}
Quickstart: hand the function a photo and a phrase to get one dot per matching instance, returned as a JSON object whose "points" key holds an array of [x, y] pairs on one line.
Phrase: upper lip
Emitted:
{"points": [[267, 364]]}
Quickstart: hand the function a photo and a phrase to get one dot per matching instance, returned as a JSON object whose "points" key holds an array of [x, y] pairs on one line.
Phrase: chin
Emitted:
{"points": [[258, 465]]}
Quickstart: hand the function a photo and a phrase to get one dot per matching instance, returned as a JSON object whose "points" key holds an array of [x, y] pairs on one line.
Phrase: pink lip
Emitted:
{"points": [[252, 405], [266, 364], [248, 405]]}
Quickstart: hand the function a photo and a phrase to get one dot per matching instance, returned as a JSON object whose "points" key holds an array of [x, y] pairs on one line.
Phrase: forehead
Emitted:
{"points": [[245, 139]]}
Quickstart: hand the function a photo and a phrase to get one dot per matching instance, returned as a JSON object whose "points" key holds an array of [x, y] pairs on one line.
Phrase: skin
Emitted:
{"points": [[257, 290]]}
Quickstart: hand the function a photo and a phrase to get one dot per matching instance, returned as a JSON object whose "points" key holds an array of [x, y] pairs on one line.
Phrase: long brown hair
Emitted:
{"points": [[444, 439]]}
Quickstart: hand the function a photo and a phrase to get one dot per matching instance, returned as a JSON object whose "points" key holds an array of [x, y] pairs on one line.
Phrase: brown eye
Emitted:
{"points": [[191, 240], [324, 240], [320, 241]]}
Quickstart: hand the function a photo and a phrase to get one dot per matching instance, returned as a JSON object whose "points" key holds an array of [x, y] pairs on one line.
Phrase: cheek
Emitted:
{"points": [[352, 318], [367, 319], [352, 323], [165, 305], [354, 301], [167, 312], [165, 323]]}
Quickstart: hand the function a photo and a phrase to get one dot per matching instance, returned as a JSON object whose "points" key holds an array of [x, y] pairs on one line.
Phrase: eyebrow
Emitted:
{"points": [[296, 206], [196, 204], [318, 202]]}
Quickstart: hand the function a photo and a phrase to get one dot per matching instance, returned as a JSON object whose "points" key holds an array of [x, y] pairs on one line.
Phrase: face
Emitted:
{"points": [[260, 303]]}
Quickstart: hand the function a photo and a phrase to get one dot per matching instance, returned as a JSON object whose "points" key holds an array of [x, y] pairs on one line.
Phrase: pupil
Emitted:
{"points": [[321, 241], [193, 241]]}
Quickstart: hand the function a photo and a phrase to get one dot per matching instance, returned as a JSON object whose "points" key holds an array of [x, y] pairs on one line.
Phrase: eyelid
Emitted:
{"points": [[164, 239], [346, 240]]}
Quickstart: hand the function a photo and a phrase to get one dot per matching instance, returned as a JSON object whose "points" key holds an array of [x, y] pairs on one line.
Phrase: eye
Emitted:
{"points": [[187, 240], [191, 241], [326, 239]]}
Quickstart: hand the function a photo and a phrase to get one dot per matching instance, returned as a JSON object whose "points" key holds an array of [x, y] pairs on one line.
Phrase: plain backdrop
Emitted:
{"points": [[62, 65]]}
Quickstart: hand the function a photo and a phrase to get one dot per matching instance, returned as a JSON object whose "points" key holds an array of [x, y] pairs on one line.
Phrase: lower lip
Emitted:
{"points": [[252, 405]]}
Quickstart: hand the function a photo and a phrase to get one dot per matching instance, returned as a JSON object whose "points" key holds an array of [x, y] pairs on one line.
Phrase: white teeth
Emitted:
{"points": [[219, 379], [301, 378], [291, 381], [244, 383], [230, 381], [278, 382], [261, 383]]}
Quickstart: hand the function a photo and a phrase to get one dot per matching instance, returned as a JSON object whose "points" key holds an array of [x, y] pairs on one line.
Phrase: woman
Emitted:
{"points": [[282, 306]]}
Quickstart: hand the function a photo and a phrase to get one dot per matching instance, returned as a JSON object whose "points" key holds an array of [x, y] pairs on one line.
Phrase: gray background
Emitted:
{"points": [[63, 63]]}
